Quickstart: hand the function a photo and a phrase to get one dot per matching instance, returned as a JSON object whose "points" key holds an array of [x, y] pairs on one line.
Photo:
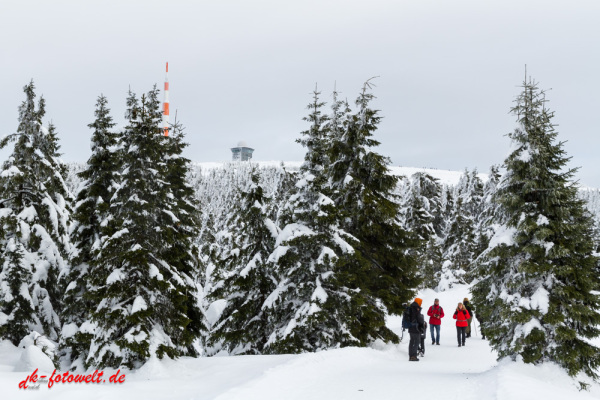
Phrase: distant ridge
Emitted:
{"points": [[446, 177]]}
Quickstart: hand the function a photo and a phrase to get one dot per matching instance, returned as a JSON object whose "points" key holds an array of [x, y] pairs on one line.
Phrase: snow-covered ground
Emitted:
{"points": [[380, 372]]}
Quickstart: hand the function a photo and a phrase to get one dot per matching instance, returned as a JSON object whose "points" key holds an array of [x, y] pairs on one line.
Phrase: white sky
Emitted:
{"points": [[243, 70]]}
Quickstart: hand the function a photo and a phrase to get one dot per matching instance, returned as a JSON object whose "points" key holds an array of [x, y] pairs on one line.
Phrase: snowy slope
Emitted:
{"points": [[381, 372], [445, 177]]}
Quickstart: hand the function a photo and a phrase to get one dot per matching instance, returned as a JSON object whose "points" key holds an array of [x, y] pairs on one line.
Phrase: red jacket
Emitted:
{"points": [[433, 310], [461, 317]]}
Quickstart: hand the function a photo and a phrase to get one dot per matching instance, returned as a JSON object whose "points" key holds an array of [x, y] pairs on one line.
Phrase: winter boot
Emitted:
{"points": [[413, 359]]}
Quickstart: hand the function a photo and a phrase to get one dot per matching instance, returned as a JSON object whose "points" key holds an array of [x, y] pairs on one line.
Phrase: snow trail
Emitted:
{"points": [[378, 373]]}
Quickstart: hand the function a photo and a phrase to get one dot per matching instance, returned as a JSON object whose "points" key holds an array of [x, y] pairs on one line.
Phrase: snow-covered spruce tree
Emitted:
{"points": [[420, 205], [283, 190], [219, 191], [208, 250], [140, 296], [470, 189], [484, 229], [100, 180], [34, 216], [458, 247], [460, 244], [431, 263], [442, 220], [591, 197], [180, 223], [538, 287], [364, 194], [246, 279], [311, 308]]}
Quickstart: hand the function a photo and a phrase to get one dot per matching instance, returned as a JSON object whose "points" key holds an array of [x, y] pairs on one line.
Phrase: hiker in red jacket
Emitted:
{"points": [[435, 313], [461, 315]]}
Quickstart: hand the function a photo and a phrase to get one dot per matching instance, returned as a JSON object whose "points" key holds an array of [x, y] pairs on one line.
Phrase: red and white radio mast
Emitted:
{"points": [[166, 104]]}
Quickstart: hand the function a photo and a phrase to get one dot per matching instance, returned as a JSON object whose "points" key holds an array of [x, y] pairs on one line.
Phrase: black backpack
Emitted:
{"points": [[406, 317]]}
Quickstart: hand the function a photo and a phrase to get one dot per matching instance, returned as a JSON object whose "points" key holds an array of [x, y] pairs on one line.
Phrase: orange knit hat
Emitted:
{"points": [[419, 301]]}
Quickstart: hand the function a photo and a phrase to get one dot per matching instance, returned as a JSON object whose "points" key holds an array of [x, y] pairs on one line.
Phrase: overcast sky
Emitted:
{"points": [[243, 70]]}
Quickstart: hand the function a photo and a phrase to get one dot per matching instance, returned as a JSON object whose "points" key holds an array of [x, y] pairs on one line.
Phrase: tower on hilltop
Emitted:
{"points": [[242, 152]]}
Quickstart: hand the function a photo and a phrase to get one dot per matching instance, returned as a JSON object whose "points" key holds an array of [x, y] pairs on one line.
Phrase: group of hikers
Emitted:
{"points": [[417, 327]]}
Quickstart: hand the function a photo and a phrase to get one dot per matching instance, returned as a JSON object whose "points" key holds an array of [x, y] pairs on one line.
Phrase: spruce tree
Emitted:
{"points": [[442, 220], [312, 308], [538, 284], [461, 243], [364, 193], [17, 310], [485, 229], [181, 227], [90, 217], [208, 249], [420, 206], [458, 247], [246, 277], [34, 215], [421, 203], [139, 292], [470, 189]]}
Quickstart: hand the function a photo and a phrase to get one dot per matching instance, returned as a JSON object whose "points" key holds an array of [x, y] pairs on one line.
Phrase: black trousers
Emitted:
{"points": [[413, 345], [461, 333]]}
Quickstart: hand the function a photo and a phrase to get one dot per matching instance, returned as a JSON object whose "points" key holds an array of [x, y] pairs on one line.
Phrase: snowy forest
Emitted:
{"points": [[140, 253]]}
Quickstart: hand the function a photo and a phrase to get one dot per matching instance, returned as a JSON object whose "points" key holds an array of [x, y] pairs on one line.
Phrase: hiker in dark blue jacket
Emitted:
{"points": [[416, 326]]}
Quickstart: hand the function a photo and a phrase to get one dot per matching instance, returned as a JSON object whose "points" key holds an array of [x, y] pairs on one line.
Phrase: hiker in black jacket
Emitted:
{"points": [[416, 325], [470, 309], [478, 318], [423, 337]]}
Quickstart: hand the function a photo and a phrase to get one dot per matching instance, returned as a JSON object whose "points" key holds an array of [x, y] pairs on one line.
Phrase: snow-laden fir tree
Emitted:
{"points": [[208, 251], [180, 223], [458, 247], [215, 239], [431, 263], [421, 203], [311, 308], [470, 189], [100, 179], [364, 193], [591, 198], [246, 278], [281, 191], [219, 191], [442, 220], [538, 284], [484, 229], [460, 244], [138, 289], [34, 217]]}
